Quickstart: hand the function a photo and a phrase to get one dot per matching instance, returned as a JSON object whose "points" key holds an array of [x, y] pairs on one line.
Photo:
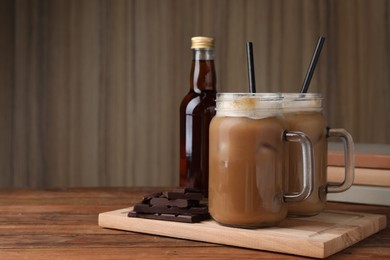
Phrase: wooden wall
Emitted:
{"points": [[90, 90]]}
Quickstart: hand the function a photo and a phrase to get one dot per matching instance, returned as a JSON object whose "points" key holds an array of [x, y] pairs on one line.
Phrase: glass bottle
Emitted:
{"points": [[196, 111]]}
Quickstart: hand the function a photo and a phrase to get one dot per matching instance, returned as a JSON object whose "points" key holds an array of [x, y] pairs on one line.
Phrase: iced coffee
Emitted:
{"points": [[247, 159], [303, 112]]}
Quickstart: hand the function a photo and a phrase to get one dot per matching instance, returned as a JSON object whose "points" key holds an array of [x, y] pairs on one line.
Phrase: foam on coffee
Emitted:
{"points": [[255, 106], [293, 102]]}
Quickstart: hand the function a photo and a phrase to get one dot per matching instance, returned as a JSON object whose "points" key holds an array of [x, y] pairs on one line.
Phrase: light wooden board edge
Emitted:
{"points": [[358, 232], [363, 176], [362, 160], [272, 238]]}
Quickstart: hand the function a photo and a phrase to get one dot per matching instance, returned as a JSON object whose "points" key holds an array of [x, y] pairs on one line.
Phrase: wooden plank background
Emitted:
{"points": [[90, 90]]}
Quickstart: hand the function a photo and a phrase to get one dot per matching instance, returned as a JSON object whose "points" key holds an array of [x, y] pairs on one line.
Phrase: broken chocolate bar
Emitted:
{"points": [[194, 218], [184, 193], [149, 197], [145, 208], [180, 203]]}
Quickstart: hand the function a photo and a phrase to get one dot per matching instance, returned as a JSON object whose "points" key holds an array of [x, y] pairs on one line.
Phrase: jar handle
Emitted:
{"points": [[308, 168], [349, 160]]}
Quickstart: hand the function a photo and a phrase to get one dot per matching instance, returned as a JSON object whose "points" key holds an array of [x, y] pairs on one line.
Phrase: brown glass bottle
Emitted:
{"points": [[196, 111]]}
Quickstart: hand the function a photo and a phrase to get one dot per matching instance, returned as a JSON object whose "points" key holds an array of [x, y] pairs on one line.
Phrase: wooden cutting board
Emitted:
{"points": [[319, 236]]}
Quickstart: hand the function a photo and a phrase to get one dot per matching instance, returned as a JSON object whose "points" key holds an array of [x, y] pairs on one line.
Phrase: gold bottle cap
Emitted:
{"points": [[202, 42]]}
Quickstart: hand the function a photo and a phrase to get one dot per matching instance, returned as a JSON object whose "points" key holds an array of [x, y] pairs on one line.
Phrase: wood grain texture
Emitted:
{"points": [[62, 223], [90, 89], [318, 236], [362, 160], [363, 176]]}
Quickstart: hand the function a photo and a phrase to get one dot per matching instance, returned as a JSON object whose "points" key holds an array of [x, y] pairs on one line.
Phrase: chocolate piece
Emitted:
{"points": [[180, 203], [184, 193], [194, 218], [149, 197], [145, 208]]}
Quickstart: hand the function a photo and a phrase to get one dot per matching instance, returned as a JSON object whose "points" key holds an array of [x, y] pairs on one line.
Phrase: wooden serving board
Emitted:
{"points": [[319, 236]]}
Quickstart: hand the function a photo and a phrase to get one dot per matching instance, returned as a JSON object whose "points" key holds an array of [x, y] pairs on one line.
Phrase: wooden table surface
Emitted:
{"points": [[63, 224]]}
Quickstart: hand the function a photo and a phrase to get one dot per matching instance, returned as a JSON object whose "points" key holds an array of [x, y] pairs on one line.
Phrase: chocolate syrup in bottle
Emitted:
{"points": [[196, 111]]}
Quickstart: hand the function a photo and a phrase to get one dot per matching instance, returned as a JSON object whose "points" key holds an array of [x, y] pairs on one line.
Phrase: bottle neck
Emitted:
{"points": [[203, 54], [203, 76]]}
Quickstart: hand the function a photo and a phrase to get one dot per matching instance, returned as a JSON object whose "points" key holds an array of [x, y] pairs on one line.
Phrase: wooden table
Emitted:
{"points": [[63, 224]]}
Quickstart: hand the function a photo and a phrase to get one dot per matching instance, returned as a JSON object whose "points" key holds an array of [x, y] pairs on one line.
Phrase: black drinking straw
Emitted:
{"points": [[251, 67], [313, 63]]}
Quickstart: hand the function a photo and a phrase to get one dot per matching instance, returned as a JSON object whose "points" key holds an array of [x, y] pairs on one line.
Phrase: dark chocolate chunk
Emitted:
{"points": [[194, 218], [184, 193], [149, 197], [145, 208], [180, 203]]}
